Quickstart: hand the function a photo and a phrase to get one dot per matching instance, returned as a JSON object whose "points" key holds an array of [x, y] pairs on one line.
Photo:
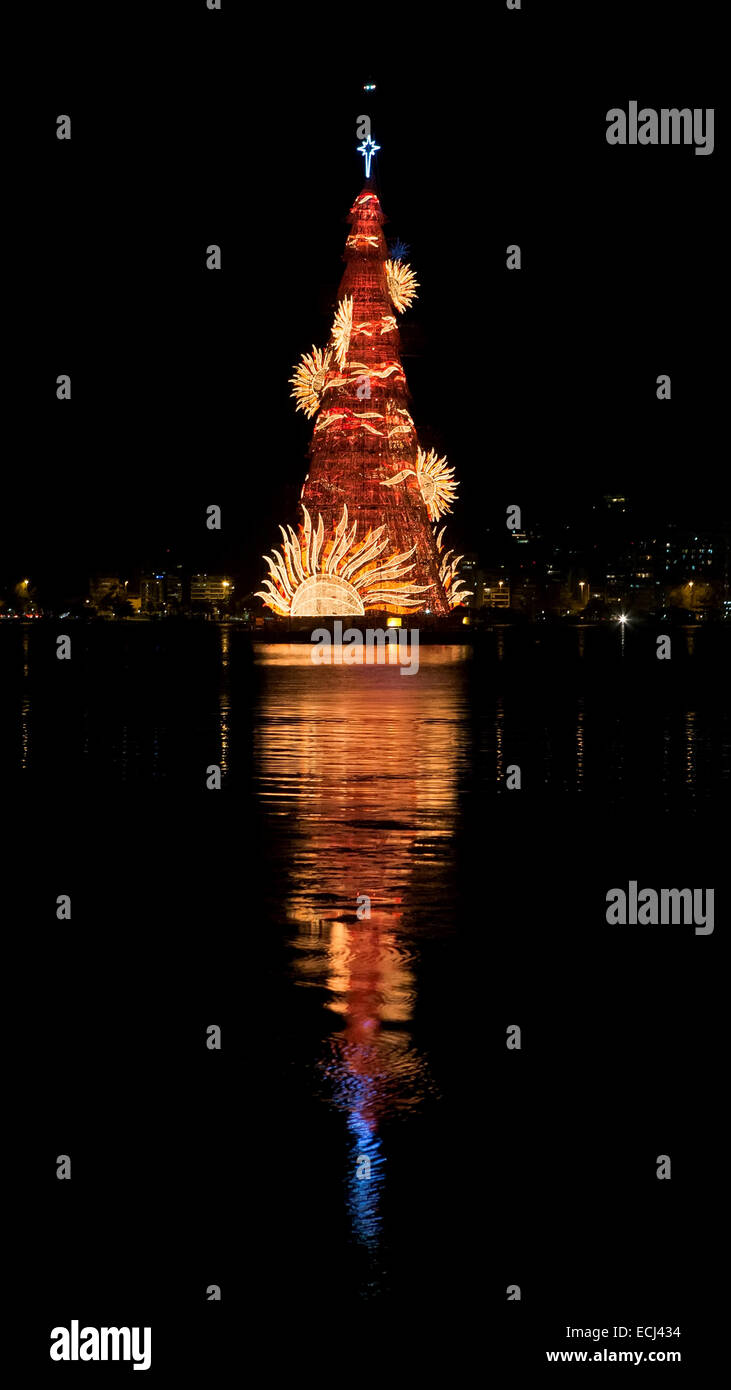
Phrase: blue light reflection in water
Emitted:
{"points": [[367, 1171]]}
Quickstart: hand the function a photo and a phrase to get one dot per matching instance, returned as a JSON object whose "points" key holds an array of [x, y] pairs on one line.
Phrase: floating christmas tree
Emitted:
{"points": [[373, 498]]}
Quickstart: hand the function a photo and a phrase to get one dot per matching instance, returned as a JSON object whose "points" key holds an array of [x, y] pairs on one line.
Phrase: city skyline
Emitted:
{"points": [[610, 543]]}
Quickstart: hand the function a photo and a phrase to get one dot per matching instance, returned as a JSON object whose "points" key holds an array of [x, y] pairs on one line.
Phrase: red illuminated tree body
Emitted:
{"points": [[373, 498]]}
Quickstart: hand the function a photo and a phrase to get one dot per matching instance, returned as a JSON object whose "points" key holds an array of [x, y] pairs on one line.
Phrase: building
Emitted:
{"points": [[495, 589], [213, 590], [173, 591], [152, 593], [694, 555], [695, 568], [161, 592], [474, 578]]}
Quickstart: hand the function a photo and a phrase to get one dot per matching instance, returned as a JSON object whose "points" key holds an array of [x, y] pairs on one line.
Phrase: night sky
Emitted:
{"points": [[538, 385]]}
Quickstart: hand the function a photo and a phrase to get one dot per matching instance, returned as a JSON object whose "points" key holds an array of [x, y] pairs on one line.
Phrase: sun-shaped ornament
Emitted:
{"points": [[402, 284], [342, 328], [448, 573], [310, 377], [435, 482], [310, 579]]}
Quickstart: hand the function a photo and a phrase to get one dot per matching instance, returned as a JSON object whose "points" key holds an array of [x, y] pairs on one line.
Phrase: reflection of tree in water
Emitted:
{"points": [[372, 1068], [357, 773], [358, 770]]}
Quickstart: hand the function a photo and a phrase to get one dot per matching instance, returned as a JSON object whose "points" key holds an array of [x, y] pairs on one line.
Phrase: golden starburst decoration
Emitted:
{"points": [[310, 377], [434, 479], [448, 573], [402, 284], [342, 329], [311, 579]]}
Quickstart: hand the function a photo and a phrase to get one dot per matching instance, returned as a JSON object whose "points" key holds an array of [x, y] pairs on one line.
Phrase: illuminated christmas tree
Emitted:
{"points": [[369, 539]]}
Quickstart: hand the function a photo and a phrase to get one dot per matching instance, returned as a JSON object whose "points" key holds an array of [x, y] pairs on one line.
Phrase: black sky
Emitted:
{"points": [[539, 386]]}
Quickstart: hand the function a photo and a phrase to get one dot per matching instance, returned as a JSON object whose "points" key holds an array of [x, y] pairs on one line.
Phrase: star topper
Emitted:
{"points": [[368, 149]]}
